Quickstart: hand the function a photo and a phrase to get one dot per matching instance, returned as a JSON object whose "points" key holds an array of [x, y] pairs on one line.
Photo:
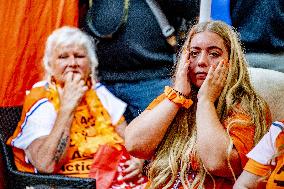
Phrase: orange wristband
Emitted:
{"points": [[177, 97]]}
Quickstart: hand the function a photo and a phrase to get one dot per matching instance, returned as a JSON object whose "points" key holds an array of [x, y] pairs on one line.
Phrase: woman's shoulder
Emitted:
{"points": [[276, 128], [114, 106], [105, 95], [37, 92], [239, 113], [38, 88]]}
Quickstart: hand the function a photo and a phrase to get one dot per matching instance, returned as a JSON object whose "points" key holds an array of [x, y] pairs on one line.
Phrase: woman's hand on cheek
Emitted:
{"points": [[182, 83], [214, 82], [73, 90]]}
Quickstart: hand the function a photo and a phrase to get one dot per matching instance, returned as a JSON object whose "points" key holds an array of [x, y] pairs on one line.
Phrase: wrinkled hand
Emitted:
{"points": [[214, 82], [133, 169], [182, 82], [73, 91]]}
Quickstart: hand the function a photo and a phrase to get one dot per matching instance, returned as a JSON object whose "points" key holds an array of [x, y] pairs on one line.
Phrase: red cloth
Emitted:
{"points": [[108, 166], [104, 167]]}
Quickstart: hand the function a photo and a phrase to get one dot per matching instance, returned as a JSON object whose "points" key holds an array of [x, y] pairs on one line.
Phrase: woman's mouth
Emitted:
{"points": [[72, 71], [201, 75]]}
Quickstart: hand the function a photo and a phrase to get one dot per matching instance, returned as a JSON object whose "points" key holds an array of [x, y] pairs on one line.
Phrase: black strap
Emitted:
{"points": [[167, 30]]}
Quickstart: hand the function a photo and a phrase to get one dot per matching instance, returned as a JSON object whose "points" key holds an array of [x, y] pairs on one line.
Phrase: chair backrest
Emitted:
{"points": [[270, 85], [9, 118]]}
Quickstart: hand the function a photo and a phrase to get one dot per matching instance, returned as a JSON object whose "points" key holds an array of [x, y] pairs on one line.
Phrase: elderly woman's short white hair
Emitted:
{"points": [[66, 36]]}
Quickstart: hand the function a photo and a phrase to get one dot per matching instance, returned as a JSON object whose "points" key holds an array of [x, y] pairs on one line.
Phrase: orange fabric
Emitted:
{"points": [[276, 179], [91, 126], [156, 101], [78, 161], [103, 156], [26, 25], [242, 136], [179, 99], [19, 155], [256, 168], [220, 183], [35, 95]]}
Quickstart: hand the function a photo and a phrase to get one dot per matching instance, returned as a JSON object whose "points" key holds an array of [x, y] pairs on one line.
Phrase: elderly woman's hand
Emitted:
{"points": [[133, 169], [214, 82], [73, 91]]}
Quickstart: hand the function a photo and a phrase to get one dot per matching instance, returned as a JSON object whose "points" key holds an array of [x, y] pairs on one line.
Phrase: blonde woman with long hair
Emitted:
{"points": [[197, 132]]}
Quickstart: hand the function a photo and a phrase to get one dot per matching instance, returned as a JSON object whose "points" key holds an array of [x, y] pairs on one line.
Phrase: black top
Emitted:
{"points": [[138, 51], [260, 24]]}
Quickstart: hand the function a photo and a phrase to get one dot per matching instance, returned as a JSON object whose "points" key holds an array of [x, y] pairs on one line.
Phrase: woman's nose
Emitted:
{"points": [[73, 61], [203, 60]]}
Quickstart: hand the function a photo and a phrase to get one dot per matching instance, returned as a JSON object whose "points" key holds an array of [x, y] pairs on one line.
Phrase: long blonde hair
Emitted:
{"points": [[173, 156]]}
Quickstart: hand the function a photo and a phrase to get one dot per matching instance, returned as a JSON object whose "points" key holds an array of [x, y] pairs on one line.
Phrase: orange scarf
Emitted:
{"points": [[91, 126]]}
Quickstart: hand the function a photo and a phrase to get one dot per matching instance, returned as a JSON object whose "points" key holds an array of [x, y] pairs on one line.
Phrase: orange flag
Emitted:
{"points": [[25, 26]]}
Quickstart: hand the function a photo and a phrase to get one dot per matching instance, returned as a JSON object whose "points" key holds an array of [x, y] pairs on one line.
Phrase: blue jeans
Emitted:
{"points": [[138, 95]]}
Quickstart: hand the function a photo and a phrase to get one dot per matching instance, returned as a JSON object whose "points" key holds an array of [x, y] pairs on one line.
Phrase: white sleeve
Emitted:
{"points": [[265, 149], [38, 122], [114, 106]]}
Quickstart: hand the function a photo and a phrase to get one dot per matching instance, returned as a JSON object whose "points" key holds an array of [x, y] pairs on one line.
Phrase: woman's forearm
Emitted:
{"points": [[213, 141], [143, 134], [248, 180], [47, 153]]}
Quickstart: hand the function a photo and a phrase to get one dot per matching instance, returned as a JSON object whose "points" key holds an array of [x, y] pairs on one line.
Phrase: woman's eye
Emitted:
{"points": [[214, 54], [62, 56], [193, 53], [80, 56]]}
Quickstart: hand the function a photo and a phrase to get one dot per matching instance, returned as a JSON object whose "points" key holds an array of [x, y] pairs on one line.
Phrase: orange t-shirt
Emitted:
{"points": [[242, 136]]}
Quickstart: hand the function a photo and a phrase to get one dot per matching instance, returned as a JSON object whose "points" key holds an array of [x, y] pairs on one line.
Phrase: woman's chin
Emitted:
{"points": [[198, 83]]}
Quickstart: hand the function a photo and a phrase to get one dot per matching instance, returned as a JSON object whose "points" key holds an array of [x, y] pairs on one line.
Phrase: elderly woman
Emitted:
{"points": [[70, 124], [198, 131]]}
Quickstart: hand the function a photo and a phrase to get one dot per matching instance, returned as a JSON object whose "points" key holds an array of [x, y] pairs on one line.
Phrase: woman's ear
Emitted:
{"points": [[89, 81], [48, 68], [52, 80]]}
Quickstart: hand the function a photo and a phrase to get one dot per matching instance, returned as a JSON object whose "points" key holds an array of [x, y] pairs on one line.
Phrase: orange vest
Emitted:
{"points": [[77, 164]]}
